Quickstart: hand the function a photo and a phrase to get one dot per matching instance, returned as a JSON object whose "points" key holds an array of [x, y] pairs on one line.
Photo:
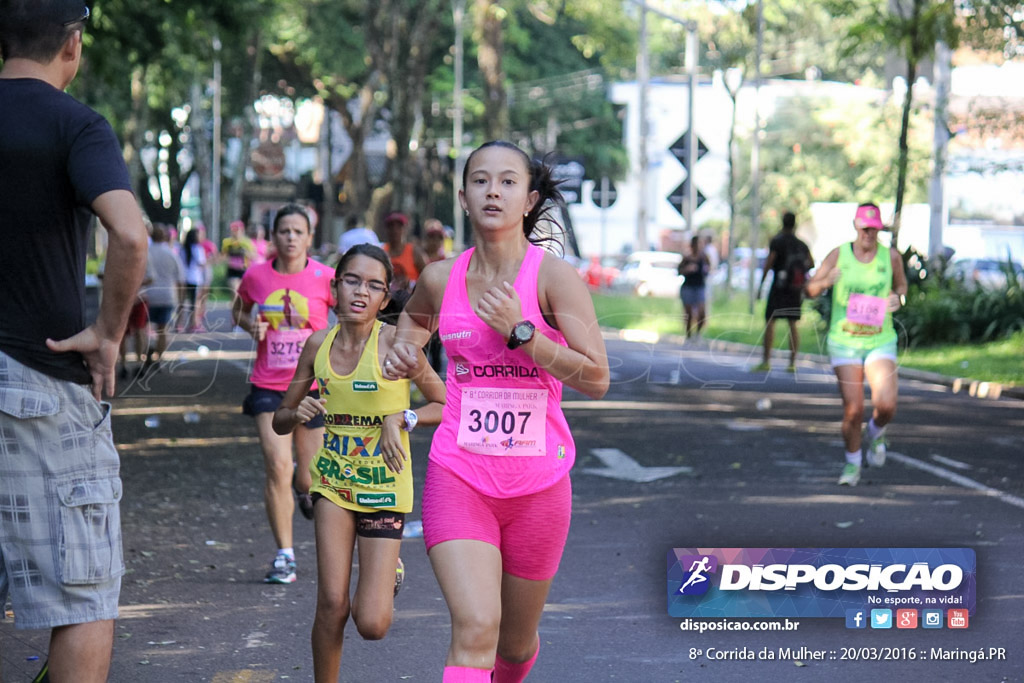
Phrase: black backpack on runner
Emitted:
{"points": [[794, 270]]}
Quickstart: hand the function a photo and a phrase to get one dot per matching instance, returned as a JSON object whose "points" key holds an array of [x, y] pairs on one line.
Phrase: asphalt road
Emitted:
{"points": [[744, 460]]}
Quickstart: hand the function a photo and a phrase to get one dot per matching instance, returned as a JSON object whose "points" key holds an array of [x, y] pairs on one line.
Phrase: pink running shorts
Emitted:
{"points": [[530, 531]]}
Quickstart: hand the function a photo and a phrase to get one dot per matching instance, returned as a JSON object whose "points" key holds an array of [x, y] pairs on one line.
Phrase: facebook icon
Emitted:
{"points": [[856, 618]]}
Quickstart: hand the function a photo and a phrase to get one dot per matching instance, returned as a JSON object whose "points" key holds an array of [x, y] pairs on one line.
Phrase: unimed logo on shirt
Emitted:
{"points": [[376, 500], [364, 386]]}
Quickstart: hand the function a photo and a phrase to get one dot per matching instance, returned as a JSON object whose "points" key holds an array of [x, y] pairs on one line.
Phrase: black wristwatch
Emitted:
{"points": [[522, 332]]}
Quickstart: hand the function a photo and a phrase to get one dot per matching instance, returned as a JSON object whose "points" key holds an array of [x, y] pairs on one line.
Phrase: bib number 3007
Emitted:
{"points": [[503, 421], [492, 422]]}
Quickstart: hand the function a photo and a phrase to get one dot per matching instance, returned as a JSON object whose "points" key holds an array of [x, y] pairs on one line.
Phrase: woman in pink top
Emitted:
{"points": [[516, 323], [291, 296]]}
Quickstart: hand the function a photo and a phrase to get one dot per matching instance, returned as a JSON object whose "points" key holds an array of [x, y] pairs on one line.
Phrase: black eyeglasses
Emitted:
{"points": [[83, 18], [355, 282]]}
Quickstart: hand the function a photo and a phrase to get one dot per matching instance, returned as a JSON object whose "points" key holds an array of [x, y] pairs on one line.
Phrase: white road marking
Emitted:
{"points": [[956, 464], [618, 465], [958, 479]]}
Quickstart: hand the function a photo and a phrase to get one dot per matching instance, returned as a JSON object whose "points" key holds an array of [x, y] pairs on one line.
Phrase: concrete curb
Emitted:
{"points": [[974, 388]]}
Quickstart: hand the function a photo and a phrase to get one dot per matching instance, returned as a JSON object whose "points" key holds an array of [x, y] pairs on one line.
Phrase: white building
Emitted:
{"points": [[615, 229]]}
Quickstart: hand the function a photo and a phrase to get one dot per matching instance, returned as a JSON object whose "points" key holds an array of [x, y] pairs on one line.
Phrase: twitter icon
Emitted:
{"points": [[881, 618]]}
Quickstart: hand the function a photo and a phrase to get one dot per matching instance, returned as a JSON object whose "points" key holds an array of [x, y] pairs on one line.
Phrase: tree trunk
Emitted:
{"points": [[490, 50], [232, 206], [135, 126], [901, 178], [914, 52], [203, 155]]}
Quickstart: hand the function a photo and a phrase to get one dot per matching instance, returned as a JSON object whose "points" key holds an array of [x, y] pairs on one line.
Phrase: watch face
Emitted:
{"points": [[523, 332]]}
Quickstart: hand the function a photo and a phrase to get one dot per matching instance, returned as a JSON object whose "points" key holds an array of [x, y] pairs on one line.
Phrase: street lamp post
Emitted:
{"points": [[214, 230], [733, 81], [643, 81], [458, 13], [755, 161]]}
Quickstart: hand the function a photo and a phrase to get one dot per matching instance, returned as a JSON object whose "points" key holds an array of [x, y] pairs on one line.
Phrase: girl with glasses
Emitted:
{"points": [[362, 485]]}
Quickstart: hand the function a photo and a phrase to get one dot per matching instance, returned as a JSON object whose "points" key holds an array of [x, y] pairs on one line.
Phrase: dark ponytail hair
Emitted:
{"points": [[191, 241], [292, 210], [544, 183], [368, 250]]}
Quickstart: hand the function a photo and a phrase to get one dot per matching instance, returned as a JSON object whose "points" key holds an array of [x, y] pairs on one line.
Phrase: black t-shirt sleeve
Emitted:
{"points": [[95, 164]]}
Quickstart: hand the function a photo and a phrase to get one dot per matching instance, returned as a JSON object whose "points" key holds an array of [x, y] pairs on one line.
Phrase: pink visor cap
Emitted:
{"points": [[868, 217]]}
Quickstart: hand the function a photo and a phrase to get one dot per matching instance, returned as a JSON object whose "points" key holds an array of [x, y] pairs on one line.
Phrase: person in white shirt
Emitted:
{"points": [[355, 234], [166, 275]]}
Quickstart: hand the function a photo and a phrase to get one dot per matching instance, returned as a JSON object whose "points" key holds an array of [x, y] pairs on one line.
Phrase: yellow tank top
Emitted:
{"points": [[349, 469]]}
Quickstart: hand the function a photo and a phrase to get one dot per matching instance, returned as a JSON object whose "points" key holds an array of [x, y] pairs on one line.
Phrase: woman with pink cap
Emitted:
{"points": [[868, 283]]}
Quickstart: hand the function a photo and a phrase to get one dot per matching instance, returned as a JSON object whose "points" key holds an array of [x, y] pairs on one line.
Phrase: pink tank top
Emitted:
{"points": [[503, 431], [295, 306]]}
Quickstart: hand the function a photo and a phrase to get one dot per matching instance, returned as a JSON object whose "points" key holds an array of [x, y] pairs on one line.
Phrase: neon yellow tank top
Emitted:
{"points": [[349, 469], [861, 284]]}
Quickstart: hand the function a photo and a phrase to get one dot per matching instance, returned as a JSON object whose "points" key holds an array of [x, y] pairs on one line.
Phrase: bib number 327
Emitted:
{"points": [[284, 347]]}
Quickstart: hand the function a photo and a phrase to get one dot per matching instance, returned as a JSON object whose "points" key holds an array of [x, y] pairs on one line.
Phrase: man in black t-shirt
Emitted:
{"points": [[60, 163], [789, 259]]}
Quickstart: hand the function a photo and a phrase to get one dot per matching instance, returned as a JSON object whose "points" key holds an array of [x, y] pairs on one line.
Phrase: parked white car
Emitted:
{"points": [[650, 273], [989, 273]]}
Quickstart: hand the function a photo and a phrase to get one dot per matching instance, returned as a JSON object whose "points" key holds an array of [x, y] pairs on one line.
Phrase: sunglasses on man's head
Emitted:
{"points": [[83, 18]]}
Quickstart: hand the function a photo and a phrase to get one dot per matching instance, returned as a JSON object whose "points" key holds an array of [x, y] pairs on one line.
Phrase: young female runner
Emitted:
{"points": [[362, 484], [516, 323], [292, 294]]}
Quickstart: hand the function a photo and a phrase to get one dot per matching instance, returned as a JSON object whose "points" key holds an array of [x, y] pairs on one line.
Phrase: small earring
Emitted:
{"points": [[526, 214]]}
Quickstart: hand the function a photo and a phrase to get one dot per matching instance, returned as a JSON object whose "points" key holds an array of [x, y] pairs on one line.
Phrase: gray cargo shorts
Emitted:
{"points": [[60, 523]]}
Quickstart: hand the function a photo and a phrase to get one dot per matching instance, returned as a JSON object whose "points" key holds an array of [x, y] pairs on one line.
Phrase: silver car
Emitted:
{"points": [[989, 273]]}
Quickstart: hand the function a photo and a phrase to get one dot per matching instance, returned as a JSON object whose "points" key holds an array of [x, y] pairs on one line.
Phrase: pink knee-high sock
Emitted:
{"points": [[510, 672], [465, 674]]}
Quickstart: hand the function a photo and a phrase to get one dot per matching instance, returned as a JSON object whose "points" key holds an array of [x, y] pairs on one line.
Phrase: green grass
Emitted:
{"points": [[730, 320], [998, 361]]}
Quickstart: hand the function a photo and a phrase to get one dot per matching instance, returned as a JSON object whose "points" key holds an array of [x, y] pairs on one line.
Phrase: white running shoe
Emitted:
{"points": [[850, 475], [875, 452]]}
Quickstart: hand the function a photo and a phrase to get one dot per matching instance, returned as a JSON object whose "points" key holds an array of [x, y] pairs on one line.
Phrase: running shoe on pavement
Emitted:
{"points": [[850, 475], [282, 571], [399, 575], [875, 452]]}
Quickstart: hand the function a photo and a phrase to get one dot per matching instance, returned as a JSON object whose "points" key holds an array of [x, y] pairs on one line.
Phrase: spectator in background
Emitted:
{"points": [[194, 259], [210, 250], [790, 261], [60, 164], [407, 259], [433, 240], [694, 268], [167, 276], [355, 234], [433, 247], [239, 252], [711, 251], [264, 249]]}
